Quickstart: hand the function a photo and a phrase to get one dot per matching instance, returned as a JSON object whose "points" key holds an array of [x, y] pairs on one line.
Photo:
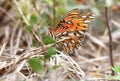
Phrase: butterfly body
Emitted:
{"points": [[71, 29]]}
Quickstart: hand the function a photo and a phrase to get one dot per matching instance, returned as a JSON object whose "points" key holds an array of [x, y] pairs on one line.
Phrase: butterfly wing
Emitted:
{"points": [[72, 29]]}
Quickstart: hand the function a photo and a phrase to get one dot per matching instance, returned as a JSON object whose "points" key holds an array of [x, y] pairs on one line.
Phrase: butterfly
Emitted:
{"points": [[71, 29]]}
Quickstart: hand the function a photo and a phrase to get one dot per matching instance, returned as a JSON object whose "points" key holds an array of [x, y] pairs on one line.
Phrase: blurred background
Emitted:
{"points": [[19, 17]]}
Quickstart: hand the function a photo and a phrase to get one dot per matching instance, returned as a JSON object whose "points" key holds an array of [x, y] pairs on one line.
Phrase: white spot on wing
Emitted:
{"points": [[87, 21], [77, 34], [70, 22], [71, 34], [65, 44], [62, 37], [81, 32], [72, 41], [92, 17], [58, 34], [84, 16], [64, 33]]}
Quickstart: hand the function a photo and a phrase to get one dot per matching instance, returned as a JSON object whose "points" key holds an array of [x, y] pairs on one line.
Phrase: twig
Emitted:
{"points": [[12, 37], [110, 39], [2, 48], [18, 41]]}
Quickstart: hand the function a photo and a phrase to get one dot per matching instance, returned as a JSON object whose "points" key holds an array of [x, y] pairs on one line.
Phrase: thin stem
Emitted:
{"points": [[54, 12], [110, 39], [21, 13]]}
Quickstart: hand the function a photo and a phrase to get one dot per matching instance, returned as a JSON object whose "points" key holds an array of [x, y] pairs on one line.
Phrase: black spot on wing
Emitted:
{"points": [[70, 22], [62, 20], [76, 27], [78, 24], [75, 34], [60, 26]]}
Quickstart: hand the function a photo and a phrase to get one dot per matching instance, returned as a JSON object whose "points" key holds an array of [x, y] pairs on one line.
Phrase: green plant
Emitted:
{"points": [[116, 69]]}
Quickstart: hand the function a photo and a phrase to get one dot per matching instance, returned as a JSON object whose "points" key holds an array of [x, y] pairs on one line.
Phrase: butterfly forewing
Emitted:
{"points": [[72, 13], [71, 30]]}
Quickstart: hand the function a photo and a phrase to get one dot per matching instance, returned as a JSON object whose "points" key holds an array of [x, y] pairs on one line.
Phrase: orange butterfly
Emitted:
{"points": [[71, 29]]}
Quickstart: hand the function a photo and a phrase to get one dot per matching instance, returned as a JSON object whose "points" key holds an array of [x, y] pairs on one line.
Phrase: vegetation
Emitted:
{"points": [[28, 53]]}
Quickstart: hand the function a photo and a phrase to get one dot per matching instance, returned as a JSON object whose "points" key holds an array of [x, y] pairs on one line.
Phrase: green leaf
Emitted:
{"points": [[33, 19], [29, 28], [116, 68], [48, 40], [35, 65], [50, 51]]}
